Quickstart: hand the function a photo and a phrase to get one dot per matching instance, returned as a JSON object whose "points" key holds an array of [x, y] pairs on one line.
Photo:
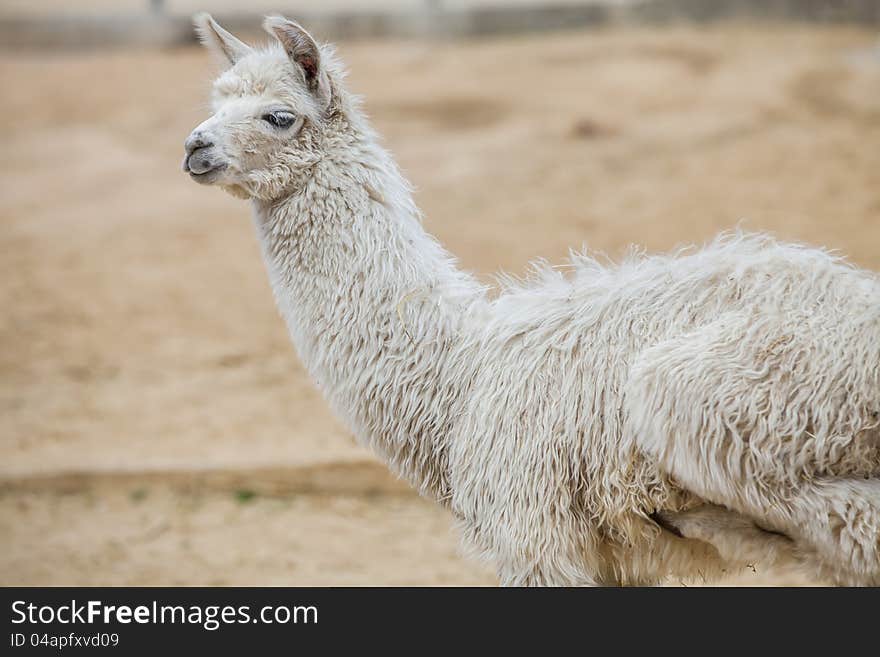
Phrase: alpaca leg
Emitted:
{"points": [[841, 519], [832, 527], [535, 576], [725, 416], [834, 522], [738, 540], [548, 571], [547, 568]]}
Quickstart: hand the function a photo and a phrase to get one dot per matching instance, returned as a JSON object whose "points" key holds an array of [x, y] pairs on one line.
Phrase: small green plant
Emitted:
{"points": [[139, 494], [244, 495]]}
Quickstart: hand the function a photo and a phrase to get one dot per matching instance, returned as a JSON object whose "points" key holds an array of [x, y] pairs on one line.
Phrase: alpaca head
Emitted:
{"points": [[269, 107]]}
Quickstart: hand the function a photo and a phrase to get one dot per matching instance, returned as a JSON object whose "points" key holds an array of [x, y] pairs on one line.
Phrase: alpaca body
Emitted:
{"points": [[556, 457], [672, 415], [517, 412]]}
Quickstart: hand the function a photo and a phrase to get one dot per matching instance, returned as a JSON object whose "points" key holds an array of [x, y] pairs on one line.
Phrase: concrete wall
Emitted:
{"points": [[460, 20]]}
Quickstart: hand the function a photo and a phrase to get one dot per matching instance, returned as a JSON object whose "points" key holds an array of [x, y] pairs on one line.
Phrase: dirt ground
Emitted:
{"points": [[155, 425]]}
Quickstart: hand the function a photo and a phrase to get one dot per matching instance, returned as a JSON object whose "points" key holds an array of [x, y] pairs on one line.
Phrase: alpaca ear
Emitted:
{"points": [[218, 40], [303, 52]]}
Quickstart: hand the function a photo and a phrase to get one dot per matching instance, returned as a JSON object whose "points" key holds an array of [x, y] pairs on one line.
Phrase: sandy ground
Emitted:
{"points": [[155, 424]]}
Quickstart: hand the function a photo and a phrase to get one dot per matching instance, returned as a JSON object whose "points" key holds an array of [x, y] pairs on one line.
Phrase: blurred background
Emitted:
{"points": [[156, 427]]}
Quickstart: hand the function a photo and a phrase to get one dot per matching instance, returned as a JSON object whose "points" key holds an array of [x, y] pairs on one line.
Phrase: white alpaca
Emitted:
{"points": [[673, 415]]}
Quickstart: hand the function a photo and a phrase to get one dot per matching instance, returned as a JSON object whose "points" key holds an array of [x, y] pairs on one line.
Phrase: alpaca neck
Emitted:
{"points": [[375, 307]]}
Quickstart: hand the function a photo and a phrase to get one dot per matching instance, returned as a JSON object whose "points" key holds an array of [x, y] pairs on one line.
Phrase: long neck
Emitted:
{"points": [[377, 310]]}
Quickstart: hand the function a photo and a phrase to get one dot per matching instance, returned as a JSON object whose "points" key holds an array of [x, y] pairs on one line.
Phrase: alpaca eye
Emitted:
{"points": [[279, 119]]}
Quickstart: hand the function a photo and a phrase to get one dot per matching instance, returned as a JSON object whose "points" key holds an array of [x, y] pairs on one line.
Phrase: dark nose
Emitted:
{"points": [[196, 141]]}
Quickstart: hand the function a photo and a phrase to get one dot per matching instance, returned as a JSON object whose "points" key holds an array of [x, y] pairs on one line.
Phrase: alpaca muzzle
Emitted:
{"points": [[199, 163], [201, 160]]}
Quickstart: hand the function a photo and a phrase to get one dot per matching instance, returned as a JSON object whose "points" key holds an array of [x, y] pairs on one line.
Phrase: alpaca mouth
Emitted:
{"points": [[202, 163], [205, 175]]}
